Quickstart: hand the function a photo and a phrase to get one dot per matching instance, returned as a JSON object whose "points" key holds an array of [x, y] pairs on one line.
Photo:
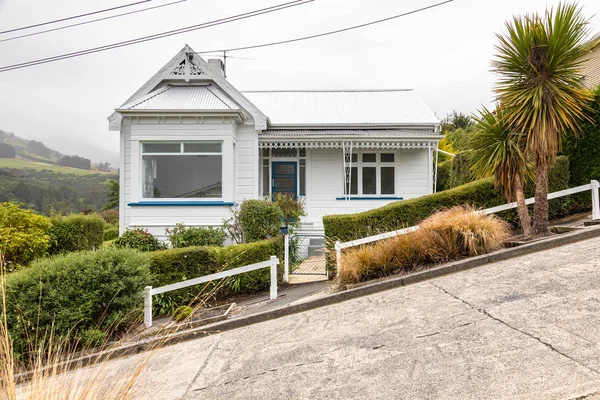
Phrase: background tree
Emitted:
{"points": [[7, 151], [38, 148], [498, 151], [538, 61], [104, 167], [112, 196], [75, 162]]}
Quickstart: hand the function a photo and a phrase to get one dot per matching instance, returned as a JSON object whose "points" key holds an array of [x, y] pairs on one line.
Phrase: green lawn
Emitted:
{"points": [[38, 166]]}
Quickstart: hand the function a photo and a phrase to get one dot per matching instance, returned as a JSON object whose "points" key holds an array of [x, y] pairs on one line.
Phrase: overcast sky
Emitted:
{"points": [[443, 53]]}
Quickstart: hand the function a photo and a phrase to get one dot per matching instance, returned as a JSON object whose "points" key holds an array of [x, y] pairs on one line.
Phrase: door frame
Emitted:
{"points": [[295, 164]]}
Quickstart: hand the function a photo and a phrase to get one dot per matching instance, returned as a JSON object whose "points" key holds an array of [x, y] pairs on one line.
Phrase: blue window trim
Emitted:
{"points": [[181, 204], [370, 198], [295, 164]]}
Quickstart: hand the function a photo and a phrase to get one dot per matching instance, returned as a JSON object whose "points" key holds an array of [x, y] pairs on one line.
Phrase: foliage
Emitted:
{"points": [[182, 236], [461, 169], [400, 214], [46, 191], [255, 220], [112, 196], [459, 139], [110, 233], [103, 166], [443, 175], [539, 62], [182, 312], [292, 208], [139, 239], [445, 236], [71, 293], [175, 265], [39, 148], [7, 151], [456, 120], [75, 232], [23, 234], [75, 162], [91, 337], [110, 216]]}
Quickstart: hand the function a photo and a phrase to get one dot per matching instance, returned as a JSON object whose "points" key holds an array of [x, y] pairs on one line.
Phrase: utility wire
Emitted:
{"points": [[74, 17], [91, 21], [330, 32], [204, 25]]}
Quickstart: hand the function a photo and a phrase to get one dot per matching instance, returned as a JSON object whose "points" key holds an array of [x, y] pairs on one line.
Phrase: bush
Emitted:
{"points": [[110, 216], [75, 232], [7, 150], [443, 175], [182, 312], [400, 214], [71, 293], [182, 236], [90, 338], [445, 236], [110, 233], [291, 209], [254, 220], [139, 239], [175, 265], [23, 234], [460, 170]]}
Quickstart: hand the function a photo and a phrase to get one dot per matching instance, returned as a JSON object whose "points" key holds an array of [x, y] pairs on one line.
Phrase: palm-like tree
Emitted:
{"points": [[538, 61], [497, 151]]}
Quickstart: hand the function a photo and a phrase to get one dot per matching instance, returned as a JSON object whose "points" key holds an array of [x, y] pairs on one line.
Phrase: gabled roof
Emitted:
{"points": [[342, 107], [205, 97]]}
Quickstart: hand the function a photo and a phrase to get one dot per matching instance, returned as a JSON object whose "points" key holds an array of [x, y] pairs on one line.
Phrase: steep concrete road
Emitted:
{"points": [[527, 328]]}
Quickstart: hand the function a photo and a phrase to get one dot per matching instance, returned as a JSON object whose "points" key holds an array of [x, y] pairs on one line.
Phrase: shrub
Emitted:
{"points": [[74, 292], [175, 265], [182, 236], [110, 233], [23, 234], [460, 170], [292, 209], [75, 232], [443, 175], [110, 216], [255, 220], [90, 338], [445, 236], [139, 239], [182, 312]]}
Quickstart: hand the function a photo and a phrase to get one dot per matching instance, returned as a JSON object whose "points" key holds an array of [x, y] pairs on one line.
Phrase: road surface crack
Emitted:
{"points": [[204, 364], [447, 330], [488, 314]]}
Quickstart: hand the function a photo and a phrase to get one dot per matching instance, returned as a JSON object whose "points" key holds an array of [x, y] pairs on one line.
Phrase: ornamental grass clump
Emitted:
{"points": [[445, 236]]}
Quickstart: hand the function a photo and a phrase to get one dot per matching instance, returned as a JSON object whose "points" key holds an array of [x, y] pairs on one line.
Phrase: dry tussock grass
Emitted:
{"points": [[445, 236]]}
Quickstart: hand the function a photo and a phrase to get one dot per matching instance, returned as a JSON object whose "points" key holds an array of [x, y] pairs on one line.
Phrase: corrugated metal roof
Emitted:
{"points": [[343, 132], [342, 107], [184, 98]]}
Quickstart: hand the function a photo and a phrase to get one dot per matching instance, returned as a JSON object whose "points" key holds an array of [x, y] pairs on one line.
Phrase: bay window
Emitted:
{"points": [[182, 170], [372, 174]]}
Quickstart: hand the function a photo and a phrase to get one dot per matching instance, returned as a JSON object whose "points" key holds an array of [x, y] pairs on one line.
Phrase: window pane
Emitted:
{"points": [[285, 169], [266, 162], [162, 148], [354, 158], [182, 176], [202, 147], [266, 180], [302, 178], [387, 180], [369, 157], [302, 162], [265, 152], [302, 152], [284, 152], [387, 157], [354, 181], [369, 180]]}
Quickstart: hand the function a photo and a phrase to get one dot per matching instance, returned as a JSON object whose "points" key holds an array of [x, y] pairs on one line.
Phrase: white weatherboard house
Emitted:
{"points": [[193, 146]]}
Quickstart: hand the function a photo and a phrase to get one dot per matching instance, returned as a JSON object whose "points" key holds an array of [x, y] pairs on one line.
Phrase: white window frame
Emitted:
{"points": [[377, 164], [295, 159], [181, 153]]}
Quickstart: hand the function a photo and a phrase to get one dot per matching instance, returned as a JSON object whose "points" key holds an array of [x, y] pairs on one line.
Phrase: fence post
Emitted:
{"points": [[338, 258], [148, 306], [595, 200], [286, 258], [274, 263]]}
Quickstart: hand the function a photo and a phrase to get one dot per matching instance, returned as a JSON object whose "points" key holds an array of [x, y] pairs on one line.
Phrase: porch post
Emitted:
{"points": [[286, 262]]}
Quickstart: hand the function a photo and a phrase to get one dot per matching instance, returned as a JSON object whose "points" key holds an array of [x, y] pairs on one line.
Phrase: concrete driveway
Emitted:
{"points": [[527, 328]]}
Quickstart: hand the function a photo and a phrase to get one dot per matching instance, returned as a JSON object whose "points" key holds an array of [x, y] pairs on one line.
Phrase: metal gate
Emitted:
{"points": [[307, 254]]}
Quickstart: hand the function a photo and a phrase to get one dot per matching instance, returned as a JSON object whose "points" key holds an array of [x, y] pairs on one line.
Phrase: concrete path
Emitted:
{"points": [[527, 328]]}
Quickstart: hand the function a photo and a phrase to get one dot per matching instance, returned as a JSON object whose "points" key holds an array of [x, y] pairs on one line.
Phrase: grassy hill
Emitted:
{"points": [[17, 163], [30, 149]]}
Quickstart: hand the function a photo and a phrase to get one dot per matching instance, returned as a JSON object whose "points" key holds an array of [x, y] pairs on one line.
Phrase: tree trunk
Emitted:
{"points": [[522, 207], [540, 208]]}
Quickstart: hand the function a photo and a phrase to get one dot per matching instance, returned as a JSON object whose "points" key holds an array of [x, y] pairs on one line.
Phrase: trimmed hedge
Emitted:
{"points": [[23, 235], [174, 265], [71, 293], [406, 213], [76, 232]]}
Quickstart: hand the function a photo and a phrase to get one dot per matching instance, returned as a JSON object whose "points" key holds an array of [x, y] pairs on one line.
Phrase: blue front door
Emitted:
{"points": [[284, 178]]}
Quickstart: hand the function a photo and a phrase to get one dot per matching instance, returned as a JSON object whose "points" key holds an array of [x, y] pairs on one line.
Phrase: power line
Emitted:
{"points": [[75, 16], [91, 21], [330, 32], [204, 25]]}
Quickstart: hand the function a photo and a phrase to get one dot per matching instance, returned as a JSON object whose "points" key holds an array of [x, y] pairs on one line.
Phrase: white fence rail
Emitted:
{"points": [[149, 291], [593, 186]]}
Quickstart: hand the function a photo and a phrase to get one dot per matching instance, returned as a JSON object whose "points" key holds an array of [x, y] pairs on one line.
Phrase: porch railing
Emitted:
{"points": [[149, 291], [593, 186]]}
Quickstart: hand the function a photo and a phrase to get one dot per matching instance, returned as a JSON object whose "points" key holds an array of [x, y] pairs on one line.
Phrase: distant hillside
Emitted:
{"points": [[84, 149], [30, 149]]}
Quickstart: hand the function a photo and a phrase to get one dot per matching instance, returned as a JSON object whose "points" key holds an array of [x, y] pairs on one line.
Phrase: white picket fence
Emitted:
{"points": [[593, 186], [149, 291]]}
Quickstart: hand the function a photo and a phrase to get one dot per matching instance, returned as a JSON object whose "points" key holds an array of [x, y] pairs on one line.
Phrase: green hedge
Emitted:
{"points": [[174, 265], [443, 175], [71, 293], [405, 213], [76, 232]]}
